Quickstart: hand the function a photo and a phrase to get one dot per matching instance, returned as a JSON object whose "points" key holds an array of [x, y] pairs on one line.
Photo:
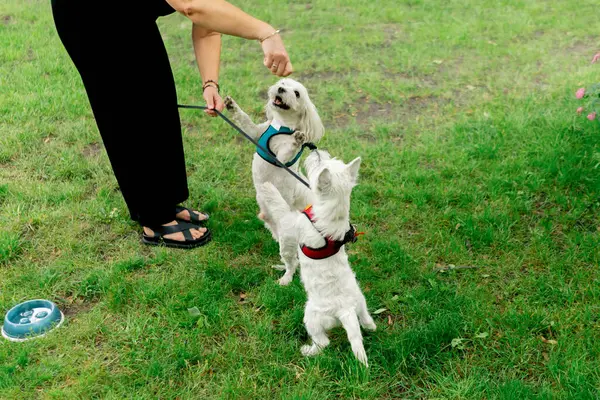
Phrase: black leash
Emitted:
{"points": [[237, 128]]}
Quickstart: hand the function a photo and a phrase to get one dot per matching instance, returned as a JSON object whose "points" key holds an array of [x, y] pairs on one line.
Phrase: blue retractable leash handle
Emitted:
{"points": [[237, 128]]}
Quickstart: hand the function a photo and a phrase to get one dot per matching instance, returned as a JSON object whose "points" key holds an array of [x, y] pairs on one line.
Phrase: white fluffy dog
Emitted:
{"points": [[315, 239], [292, 121]]}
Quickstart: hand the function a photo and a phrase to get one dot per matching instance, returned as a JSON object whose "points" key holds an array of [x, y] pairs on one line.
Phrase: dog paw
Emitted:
{"points": [[278, 267], [229, 103], [307, 350], [370, 326], [300, 138], [285, 280], [361, 355]]}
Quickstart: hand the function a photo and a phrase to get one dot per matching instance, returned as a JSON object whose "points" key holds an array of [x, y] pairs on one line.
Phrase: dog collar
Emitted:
{"points": [[331, 247], [274, 129]]}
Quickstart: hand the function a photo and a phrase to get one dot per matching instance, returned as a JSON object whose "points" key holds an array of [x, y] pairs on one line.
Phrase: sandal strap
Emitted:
{"points": [[193, 214], [187, 235], [183, 227]]}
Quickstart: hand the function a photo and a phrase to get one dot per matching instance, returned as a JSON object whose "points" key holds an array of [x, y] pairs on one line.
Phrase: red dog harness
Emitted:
{"points": [[331, 246]]}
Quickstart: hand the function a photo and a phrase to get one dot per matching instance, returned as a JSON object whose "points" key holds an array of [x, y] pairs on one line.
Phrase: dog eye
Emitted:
{"points": [[297, 93]]}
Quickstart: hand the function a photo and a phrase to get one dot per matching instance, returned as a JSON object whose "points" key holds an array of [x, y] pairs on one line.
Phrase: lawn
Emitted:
{"points": [[463, 112]]}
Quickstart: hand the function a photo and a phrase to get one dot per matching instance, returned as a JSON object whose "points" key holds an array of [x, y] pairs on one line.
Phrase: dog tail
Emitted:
{"points": [[276, 205]]}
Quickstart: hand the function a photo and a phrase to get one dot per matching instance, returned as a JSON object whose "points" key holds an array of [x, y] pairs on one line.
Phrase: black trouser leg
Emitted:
{"points": [[128, 79]]}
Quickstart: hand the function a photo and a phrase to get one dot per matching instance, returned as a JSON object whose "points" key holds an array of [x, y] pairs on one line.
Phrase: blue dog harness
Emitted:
{"points": [[273, 130]]}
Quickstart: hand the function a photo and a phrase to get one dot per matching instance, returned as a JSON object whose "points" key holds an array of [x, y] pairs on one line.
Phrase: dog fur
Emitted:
{"points": [[301, 116], [334, 296]]}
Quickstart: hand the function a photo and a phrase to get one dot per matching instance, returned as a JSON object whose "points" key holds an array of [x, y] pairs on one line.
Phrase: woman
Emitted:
{"points": [[119, 53]]}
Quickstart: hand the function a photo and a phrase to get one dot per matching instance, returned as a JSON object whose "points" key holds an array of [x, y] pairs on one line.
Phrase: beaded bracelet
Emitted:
{"points": [[212, 83]]}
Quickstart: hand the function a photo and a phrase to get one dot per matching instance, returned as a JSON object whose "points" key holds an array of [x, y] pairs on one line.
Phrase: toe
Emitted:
{"points": [[285, 280], [305, 350], [185, 215]]}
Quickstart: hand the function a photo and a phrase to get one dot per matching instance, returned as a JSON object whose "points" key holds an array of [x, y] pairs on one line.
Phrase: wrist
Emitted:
{"points": [[263, 31], [211, 83]]}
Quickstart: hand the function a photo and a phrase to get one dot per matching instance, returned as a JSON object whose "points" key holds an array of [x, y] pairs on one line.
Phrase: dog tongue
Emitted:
{"points": [[277, 100]]}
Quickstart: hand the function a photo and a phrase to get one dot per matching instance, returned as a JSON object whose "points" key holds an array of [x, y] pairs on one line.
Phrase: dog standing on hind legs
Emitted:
{"points": [[292, 122], [315, 239]]}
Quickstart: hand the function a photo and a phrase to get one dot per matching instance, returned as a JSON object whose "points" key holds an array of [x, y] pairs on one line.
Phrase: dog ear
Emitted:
{"points": [[324, 180], [310, 122], [352, 168]]}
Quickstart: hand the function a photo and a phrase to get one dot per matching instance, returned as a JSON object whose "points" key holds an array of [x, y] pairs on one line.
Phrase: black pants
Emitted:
{"points": [[124, 66]]}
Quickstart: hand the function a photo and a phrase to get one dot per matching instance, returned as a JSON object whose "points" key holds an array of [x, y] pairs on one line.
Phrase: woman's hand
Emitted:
{"points": [[596, 58], [276, 58], [213, 100]]}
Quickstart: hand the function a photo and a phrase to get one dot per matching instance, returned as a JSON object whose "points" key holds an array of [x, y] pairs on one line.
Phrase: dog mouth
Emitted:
{"points": [[278, 102]]}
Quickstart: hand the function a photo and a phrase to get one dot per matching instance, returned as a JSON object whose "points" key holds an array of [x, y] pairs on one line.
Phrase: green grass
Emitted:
{"points": [[463, 113]]}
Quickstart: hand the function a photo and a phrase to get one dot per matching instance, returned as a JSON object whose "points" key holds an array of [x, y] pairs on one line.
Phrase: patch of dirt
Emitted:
{"points": [[6, 19], [189, 127], [582, 48], [391, 34], [30, 55], [71, 307], [92, 150], [366, 111]]}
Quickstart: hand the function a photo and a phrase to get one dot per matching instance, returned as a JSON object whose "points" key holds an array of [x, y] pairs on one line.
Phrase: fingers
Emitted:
{"points": [[209, 96], [276, 58], [274, 66], [596, 58], [268, 60], [288, 69], [281, 68], [219, 104], [281, 65]]}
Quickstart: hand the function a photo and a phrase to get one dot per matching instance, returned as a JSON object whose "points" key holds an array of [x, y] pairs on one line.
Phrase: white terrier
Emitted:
{"points": [[315, 239], [292, 122]]}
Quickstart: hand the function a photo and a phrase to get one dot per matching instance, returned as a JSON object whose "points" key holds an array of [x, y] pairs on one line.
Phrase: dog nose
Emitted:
{"points": [[281, 90]]}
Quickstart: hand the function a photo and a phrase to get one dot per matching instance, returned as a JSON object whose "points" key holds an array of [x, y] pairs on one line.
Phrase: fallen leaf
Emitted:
{"points": [[390, 320], [482, 335], [457, 342], [395, 297], [438, 62], [379, 311], [470, 87], [457, 226], [47, 140], [545, 355], [548, 341], [194, 312]]}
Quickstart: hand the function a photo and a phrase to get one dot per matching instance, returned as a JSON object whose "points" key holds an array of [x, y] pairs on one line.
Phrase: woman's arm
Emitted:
{"points": [[207, 47], [221, 16]]}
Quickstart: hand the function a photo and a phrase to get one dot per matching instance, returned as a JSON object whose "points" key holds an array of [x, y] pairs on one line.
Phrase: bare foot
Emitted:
{"points": [[196, 233], [185, 215]]}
